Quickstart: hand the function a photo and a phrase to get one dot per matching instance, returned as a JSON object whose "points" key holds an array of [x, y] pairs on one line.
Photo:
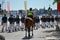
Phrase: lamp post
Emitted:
{"points": [[25, 4], [25, 7], [2, 5]]}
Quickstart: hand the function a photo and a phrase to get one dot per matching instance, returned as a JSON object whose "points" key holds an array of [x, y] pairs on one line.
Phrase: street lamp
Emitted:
{"points": [[2, 5], [25, 6]]}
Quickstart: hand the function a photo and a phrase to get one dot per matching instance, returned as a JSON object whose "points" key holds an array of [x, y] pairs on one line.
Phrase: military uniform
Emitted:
{"points": [[4, 23], [17, 23], [10, 28]]}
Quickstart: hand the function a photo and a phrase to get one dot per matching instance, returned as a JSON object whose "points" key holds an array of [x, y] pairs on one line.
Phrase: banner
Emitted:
{"points": [[8, 7], [58, 6]]}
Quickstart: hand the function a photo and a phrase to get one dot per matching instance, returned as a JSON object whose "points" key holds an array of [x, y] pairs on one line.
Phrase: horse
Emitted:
{"points": [[36, 20], [28, 24]]}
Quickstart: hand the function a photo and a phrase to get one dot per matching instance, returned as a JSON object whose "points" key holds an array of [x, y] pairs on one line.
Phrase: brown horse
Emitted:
{"points": [[28, 23]]}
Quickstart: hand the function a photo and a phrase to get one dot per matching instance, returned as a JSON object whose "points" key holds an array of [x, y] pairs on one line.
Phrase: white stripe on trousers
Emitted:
{"points": [[4, 26]]}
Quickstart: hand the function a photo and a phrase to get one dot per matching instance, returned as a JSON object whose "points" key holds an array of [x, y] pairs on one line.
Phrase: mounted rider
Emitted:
{"points": [[30, 13]]}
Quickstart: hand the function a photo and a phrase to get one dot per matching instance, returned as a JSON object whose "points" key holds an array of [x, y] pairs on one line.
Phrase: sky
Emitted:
{"points": [[39, 4]]}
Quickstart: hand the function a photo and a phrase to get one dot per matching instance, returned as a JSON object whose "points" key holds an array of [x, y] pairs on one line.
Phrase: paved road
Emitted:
{"points": [[40, 34]]}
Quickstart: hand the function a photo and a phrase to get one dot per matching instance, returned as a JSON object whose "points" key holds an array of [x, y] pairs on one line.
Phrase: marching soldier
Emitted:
{"points": [[14, 20], [17, 23], [4, 22], [11, 23]]}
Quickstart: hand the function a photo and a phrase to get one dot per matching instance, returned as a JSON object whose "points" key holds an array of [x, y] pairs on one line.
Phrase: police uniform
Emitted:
{"points": [[30, 14]]}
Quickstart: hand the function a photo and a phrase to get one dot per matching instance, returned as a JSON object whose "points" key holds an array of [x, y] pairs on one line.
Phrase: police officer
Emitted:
{"points": [[4, 22], [30, 13], [49, 11]]}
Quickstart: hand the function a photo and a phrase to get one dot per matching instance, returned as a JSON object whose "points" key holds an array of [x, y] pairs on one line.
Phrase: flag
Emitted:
{"points": [[58, 6], [8, 7]]}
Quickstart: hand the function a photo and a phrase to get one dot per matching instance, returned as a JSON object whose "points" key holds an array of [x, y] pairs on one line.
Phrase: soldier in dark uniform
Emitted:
{"points": [[4, 22], [14, 20], [48, 21], [17, 23], [52, 21], [11, 23], [43, 19]]}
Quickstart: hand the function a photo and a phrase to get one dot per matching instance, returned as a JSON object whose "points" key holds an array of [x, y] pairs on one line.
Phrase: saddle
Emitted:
{"points": [[29, 18]]}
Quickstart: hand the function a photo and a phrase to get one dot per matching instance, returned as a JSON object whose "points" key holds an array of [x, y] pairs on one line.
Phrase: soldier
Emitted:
{"points": [[17, 23], [11, 23], [14, 20], [4, 22], [52, 21], [43, 19]]}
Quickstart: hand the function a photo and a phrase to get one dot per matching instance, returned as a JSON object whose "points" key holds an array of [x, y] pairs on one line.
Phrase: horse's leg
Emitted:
{"points": [[28, 31], [32, 30], [25, 31], [34, 25]]}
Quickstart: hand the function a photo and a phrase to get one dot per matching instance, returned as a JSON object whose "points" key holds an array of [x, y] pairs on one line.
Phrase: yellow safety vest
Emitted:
{"points": [[30, 13]]}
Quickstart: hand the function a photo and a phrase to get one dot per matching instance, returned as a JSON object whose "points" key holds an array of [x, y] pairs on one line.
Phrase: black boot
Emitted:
{"points": [[28, 34], [32, 34], [9, 31], [2, 30]]}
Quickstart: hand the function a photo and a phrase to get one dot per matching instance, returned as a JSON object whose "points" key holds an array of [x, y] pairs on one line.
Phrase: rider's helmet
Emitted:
{"points": [[30, 9]]}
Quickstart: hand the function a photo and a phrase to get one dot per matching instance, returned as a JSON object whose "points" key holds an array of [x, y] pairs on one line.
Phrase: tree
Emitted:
{"points": [[1, 11], [55, 1]]}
